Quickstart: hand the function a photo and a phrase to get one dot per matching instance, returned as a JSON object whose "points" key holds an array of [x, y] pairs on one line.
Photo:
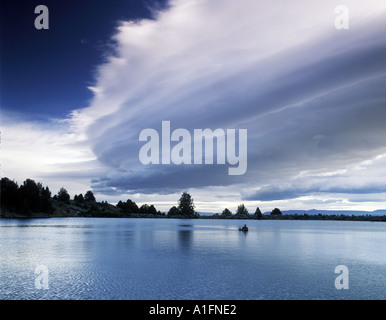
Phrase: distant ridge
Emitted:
{"points": [[334, 212]]}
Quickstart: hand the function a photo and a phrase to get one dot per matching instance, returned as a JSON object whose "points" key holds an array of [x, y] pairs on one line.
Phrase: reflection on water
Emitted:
{"points": [[190, 259], [185, 236]]}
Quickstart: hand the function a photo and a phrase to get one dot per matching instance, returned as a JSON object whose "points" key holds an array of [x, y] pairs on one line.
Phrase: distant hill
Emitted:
{"points": [[334, 212]]}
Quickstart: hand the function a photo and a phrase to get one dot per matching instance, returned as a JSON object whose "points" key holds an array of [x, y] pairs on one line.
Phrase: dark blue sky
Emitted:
{"points": [[45, 73]]}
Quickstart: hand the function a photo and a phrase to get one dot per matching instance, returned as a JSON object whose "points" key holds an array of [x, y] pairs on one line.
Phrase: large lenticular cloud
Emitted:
{"points": [[312, 97]]}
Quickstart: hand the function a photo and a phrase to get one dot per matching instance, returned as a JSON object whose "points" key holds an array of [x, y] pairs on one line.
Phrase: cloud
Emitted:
{"points": [[359, 183], [312, 98], [48, 151]]}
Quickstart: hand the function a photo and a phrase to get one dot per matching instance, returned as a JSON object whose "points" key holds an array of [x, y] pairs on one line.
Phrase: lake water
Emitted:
{"points": [[86, 258]]}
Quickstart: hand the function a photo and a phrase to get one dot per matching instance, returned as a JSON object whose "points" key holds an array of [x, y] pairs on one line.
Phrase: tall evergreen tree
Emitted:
{"points": [[173, 211], [63, 196], [226, 213], [30, 195], [79, 199], [45, 199], [89, 196], [144, 209], [258, 214], [276, 212], [186, 205], [10, 196], [153, 210], [242, 211], [128, 207]]}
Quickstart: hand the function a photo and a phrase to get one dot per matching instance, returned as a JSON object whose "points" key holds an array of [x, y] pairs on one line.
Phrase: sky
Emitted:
{"points": [[310, 93]]}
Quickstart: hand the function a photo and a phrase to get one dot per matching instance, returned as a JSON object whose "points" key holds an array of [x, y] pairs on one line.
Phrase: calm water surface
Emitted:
{"points": [[191, 259]]}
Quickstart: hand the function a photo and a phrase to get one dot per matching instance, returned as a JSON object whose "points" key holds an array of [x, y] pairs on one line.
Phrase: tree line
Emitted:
{"points": [[31, 199], [28, 198], [243, 213]]}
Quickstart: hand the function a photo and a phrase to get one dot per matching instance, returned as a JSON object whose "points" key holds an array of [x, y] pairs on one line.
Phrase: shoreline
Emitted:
{"points": [[303, 217]]}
